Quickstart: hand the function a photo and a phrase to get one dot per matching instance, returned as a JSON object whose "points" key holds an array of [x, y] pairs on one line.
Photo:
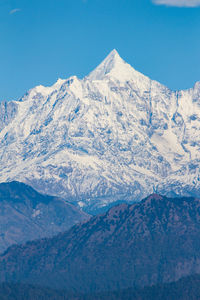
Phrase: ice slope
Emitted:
{"points": [[116, 132]]}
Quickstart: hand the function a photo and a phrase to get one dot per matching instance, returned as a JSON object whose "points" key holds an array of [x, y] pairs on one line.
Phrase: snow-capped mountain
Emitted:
{"points": [[114, 133]]}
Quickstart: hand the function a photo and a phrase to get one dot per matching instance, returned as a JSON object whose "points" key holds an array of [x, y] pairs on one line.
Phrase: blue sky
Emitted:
{"points": [[42, 40]]}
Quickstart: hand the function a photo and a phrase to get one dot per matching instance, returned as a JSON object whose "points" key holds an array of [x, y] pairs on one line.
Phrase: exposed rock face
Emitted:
{"points": [[154, 241], [8, 111], [114, 133], [27, 215]]}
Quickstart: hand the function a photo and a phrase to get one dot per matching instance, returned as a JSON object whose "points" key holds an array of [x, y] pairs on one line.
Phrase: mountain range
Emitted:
{"points": [[28, 215], [152, 242], [187, 288], [113, 135]]}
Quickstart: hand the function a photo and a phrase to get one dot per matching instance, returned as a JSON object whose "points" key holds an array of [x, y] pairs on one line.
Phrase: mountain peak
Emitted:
{"points": [[113, 66], [113, 55], [109, 67]]}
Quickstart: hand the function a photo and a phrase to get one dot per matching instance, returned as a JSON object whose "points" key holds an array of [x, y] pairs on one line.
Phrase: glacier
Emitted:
{"points": [[113, 135]]}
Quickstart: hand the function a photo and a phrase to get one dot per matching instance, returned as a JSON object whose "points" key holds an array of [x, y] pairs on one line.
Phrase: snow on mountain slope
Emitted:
{"points": [[114, 133]]}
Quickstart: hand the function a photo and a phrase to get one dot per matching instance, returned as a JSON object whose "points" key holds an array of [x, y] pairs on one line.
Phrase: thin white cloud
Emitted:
{"points": [[14, 11], [178, 3]]}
